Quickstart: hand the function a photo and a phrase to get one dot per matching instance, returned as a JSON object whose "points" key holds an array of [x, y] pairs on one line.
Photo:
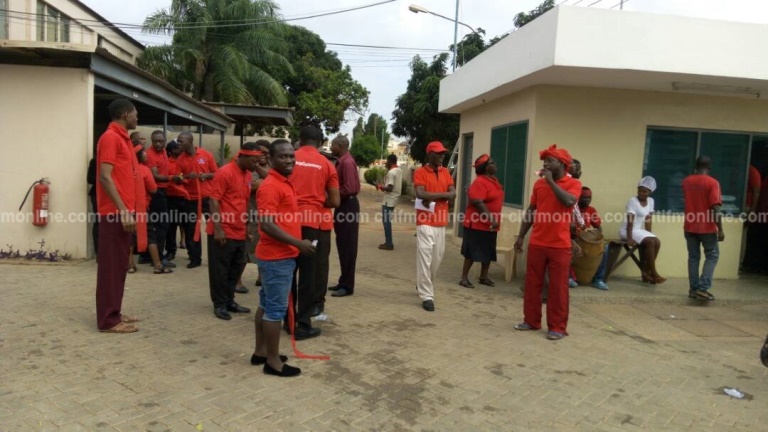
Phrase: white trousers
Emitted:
{"points": [[430, 246]]}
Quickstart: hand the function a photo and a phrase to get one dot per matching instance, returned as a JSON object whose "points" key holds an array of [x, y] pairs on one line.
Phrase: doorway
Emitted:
{"points": [[466, 177]]}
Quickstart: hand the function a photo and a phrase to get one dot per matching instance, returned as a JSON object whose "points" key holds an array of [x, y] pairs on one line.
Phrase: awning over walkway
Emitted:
{"points": [[255, 115]]}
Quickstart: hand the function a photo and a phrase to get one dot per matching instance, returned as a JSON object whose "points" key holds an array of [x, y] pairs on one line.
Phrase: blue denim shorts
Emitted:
{"points": [[276, 279]]}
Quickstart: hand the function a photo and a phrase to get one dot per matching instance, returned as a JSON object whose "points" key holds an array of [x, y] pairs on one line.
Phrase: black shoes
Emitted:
{"points": [[168, 264], [334, 288], [259, 360], [287, 372], [241, 289], [428, 305], [317, 310], [222, 313], [234, 307], [385, 246], [342, 292], [302, 334], [170, 256], [194, 264]]}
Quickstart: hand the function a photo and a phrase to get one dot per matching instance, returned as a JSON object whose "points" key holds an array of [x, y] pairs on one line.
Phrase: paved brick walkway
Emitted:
{"points": [[638, 357]]}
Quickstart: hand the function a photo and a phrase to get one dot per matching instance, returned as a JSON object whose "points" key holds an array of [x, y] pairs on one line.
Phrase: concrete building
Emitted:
{"points": [[61, 65], [629, 94]]}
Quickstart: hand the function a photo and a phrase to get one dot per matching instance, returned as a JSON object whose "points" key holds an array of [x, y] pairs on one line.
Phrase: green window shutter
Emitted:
{"points": [[499, 152], [669, 158], [729, 153], [517, 141]]}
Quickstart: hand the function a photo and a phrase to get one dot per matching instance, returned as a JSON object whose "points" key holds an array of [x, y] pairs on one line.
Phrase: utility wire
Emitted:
{"points": [[592, 4], [619, 4]]}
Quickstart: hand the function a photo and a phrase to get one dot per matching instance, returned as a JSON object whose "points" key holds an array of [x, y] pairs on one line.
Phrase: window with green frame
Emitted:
{"points": [[509, 148], [670, 156]]}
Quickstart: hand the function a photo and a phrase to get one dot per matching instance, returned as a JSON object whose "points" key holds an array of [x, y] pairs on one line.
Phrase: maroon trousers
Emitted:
{"points": [[115, 245], [558, 262]]}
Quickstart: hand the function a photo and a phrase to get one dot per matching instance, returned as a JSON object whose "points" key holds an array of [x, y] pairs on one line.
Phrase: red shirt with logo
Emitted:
{"points": [[115, 148], [201, 162], [433, 181], [159, 160], [277, 198], [231, 187], [312, 176], [552, 219], [489, 191], [700, 192]]}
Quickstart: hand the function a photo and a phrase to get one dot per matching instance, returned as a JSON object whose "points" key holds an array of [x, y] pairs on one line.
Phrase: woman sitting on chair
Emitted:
{"points": [[639, 218]]}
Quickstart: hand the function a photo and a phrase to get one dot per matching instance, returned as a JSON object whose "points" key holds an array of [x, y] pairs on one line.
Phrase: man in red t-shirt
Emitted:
{"points": [[549, 249], [702, 227], [279, 244], [116, 189], [197, 168], [434, 189], [227, 230], [157, 161], [177, 200], [317, 189]]}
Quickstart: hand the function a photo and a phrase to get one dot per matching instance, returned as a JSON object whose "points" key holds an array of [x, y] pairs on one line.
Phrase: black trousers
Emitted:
{"points": [[310, 280], [159, 218], [176, 210], [95, 218], [225, 265], [194, 248], [346, 224]]}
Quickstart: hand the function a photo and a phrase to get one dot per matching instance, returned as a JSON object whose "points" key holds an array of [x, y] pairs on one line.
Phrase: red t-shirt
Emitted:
{"points": [[700, 192], [159, 160], [433, 181], [201, 162], [552, 219], [231, 187], [591, 217], [489, 191], [173, 189], [312, 176], [115, 148], [276, 197], [754, 183], [149, 182]]}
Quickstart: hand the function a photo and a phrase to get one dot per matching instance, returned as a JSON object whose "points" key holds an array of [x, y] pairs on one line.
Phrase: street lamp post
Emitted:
{"points": [[419, 9]]}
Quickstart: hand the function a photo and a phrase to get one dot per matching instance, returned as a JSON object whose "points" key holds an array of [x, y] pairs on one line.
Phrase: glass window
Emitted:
{"points": [[40, 21], [509, 148], [51, 30], [3, 19], [670, 156], [64, 29]]}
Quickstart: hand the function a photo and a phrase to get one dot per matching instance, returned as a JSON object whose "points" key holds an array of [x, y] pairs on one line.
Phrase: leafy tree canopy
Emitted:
{"points": [[369, 139], [215, 62], [523, 18]]}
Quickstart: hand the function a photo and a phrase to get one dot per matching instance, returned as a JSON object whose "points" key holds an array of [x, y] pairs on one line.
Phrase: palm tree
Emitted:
{"points": [[222, 50]]}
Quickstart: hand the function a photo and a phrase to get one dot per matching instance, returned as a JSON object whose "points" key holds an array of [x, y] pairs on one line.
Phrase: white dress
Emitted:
{"points": [[638, 227]]}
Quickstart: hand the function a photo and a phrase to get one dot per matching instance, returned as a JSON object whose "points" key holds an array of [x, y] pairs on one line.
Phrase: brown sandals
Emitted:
{"points": [[121, 328]]}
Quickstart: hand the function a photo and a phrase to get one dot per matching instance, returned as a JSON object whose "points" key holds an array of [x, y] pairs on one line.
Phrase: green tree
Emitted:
{"points": [[371, 138], [416, 116], [470, 47], [365, 149], [322, 90], [215, 59], [523, 18]]}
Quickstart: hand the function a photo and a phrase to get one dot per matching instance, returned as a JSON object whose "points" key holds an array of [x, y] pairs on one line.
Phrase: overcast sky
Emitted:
{"points": [[385, 73]]}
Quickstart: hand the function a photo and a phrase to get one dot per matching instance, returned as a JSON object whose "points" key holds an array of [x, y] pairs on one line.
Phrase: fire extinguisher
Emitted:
{"points": [[39, 202]]}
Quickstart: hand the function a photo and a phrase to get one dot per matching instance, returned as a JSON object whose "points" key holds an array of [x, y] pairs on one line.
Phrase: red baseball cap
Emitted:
{"points": [[436, 147]]}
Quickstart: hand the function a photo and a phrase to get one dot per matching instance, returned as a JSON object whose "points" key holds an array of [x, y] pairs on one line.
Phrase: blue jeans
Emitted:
{"points": [[600, 274], [276, 279], [711, 254], [387, 213]]}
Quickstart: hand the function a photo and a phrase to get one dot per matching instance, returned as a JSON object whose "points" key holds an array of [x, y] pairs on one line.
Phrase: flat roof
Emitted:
{"points": [[591, 47], [254, 114]]}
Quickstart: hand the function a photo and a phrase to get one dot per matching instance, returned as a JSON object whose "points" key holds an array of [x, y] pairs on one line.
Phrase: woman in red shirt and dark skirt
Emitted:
{"points": [[481, 221]]}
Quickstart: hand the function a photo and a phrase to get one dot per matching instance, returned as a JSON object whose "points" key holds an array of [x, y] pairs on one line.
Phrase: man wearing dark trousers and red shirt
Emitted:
{"points": [[227, 230], [157, 161], [117, 190], [549, 249], [279, 244], [177, 199], [197, 168], [703, 226], [317, 189], [346, 223]]}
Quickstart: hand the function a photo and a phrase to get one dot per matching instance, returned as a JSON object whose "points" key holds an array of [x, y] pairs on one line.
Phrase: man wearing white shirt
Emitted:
{"points": [[392, 189]]}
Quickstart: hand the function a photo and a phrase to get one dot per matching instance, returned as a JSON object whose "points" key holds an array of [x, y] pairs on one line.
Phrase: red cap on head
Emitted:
{"points": [[481, 160], [436, 147], [560, 154]]}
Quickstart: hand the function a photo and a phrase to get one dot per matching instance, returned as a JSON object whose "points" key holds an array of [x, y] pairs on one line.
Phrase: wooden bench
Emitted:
{"points": [[509, 260], [618, 252]]}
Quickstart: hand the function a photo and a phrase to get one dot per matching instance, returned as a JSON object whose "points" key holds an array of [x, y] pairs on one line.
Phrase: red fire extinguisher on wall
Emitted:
{"points": [[39, 202]]}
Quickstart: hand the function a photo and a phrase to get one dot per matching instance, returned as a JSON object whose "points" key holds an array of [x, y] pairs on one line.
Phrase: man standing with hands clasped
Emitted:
{"points": [[549, 213], [703, 227], [346, 223], [392, 187], [434, 187]]}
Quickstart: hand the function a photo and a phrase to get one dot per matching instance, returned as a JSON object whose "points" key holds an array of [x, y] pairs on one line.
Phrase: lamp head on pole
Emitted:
{"points": [[416, 9]]}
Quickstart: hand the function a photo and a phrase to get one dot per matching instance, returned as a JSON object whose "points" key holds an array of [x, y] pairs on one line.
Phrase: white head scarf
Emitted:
{"points": [[647, 182]]}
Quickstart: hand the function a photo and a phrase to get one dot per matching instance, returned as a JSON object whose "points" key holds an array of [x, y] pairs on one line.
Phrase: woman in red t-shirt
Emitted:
{"points": [[481, 221]]}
